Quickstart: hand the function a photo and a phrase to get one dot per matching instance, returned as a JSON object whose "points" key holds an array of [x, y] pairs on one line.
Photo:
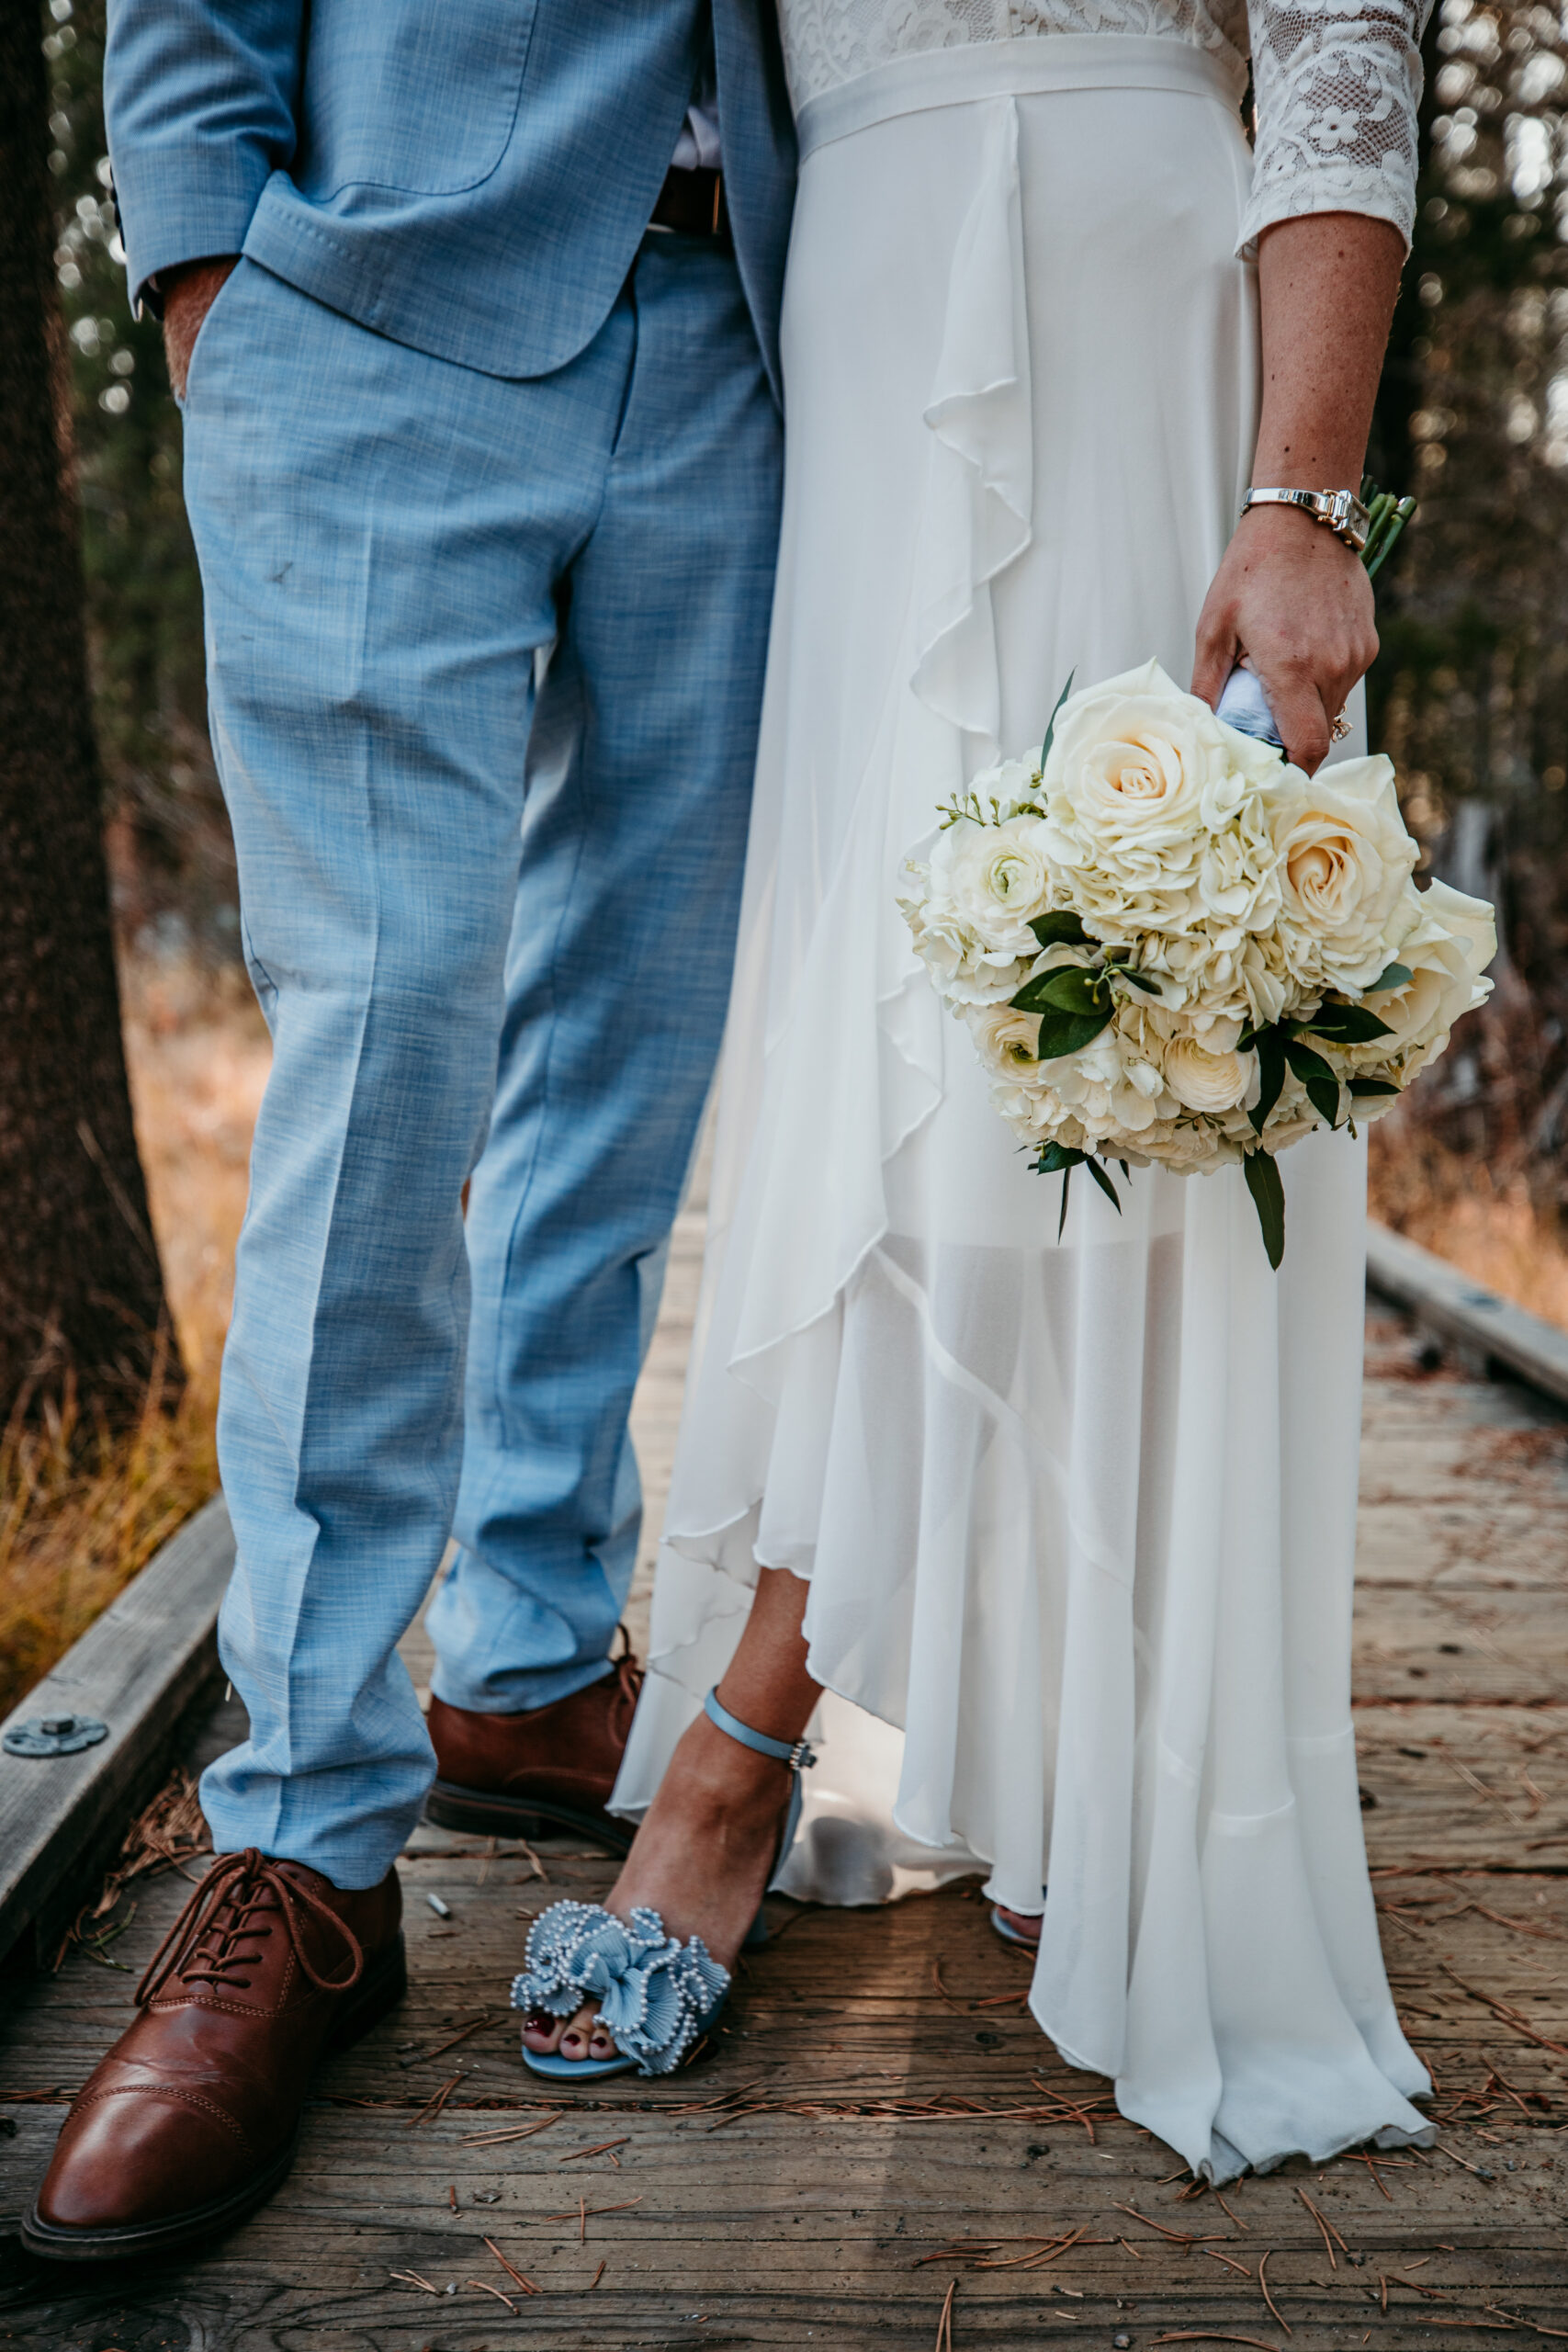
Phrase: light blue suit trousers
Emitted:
{"points": [[485, 662]]}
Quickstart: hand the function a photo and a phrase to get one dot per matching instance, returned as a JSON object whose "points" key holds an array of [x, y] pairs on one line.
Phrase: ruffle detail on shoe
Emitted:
{"points": [[655, 1994]]}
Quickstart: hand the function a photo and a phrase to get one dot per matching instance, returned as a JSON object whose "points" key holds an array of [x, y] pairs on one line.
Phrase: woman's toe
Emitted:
{"points": [[542, 2033], [585, 2038]]}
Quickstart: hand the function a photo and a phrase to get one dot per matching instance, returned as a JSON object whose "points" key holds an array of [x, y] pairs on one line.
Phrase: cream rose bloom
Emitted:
{"points": [[1446, 952], [1344, 859], [1140, 775]]}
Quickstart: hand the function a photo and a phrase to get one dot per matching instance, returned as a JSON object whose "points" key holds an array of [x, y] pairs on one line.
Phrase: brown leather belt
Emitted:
{"points": [[694, 203]]}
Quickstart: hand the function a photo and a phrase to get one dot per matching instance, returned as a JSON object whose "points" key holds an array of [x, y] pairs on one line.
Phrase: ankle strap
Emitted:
{"points": [[799, 1757]]}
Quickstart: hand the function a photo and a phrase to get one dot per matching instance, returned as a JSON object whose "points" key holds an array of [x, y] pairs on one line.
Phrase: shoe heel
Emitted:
{"points": [[380, 1991]]}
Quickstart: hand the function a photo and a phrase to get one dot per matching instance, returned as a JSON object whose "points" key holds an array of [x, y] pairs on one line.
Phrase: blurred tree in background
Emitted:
{"points": [[83, 1321], [1470, 695], [170, 850]]}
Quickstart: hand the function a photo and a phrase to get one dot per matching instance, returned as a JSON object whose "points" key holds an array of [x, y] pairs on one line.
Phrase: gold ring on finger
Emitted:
{"points": [[1340, 728]]}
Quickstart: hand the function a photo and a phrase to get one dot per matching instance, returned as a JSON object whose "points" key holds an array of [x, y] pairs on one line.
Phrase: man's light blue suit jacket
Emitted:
{"points": [[472, 177]]}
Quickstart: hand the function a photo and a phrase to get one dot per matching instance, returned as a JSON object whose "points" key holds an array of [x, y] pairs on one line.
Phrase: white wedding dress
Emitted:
{"points": [[1078, 1518]]}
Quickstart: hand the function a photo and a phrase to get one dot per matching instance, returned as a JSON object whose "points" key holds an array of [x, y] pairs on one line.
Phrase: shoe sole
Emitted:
{"points": [[450, 1807], [55, 2242]]}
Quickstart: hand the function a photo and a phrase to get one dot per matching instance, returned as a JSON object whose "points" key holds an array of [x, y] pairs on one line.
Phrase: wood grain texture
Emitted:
{"points": [[1447, 1301], [880, 2095], [140, 1669]]}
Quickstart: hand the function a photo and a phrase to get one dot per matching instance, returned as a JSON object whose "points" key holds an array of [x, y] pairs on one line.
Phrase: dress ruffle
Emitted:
{"points": [[1078, 1520]]}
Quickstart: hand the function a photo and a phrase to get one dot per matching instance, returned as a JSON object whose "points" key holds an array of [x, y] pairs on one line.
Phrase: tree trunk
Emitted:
{"points": [[81, 1290]]}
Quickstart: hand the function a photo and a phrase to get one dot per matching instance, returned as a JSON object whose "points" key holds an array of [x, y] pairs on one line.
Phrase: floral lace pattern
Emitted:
{"points": [[1337, 81], [655, 1994]]}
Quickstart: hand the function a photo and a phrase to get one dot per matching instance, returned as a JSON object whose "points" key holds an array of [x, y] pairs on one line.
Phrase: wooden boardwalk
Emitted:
{"points": [[883, 2126]]}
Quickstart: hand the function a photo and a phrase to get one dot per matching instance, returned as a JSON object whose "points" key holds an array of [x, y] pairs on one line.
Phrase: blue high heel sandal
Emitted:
{"points": [[656, 1996]]}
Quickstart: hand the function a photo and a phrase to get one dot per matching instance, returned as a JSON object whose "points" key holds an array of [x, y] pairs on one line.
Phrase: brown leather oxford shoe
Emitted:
{"points": [[534, 1774], [191, 2120]]}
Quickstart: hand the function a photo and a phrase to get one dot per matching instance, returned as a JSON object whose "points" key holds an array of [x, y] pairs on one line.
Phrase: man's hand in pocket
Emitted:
{"points": [[189, 292]]}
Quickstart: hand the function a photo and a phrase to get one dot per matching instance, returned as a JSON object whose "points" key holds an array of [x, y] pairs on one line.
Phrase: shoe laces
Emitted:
{"points": [[219, 1932], [628, 1668]]}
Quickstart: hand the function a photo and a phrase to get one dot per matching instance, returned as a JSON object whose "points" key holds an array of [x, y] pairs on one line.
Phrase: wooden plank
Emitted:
{"points": [[767, 2226], [777, 2196], [1462, 1310], [1483, 1540], [148, 1660], [1466, 1645]]}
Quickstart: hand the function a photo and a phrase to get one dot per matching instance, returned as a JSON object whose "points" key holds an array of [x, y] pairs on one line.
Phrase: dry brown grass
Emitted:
{"points": [[1455, 1206], [77, 1522], [80, 1512]]}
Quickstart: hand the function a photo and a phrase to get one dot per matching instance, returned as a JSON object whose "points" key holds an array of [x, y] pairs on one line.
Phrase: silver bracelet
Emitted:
{"points": [[1339, 510]]}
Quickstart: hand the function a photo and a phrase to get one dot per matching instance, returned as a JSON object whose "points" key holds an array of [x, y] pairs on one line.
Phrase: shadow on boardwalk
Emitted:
{"points": [[880, 2118]]}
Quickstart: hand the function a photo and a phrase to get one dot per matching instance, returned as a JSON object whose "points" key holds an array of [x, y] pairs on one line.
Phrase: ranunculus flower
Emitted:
{"points": [[1007, 1041], [1204, 1080], [1346, 858], [992, 881]]}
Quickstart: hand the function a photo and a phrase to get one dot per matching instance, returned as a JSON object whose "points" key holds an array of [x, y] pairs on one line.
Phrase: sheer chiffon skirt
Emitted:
{"points": [[1078, 1515]]}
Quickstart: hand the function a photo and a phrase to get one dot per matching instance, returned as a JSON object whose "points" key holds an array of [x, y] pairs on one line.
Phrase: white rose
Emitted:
{"points": [[1346, 859], [991, 881], [1204, 1080], [1139, 777], [1446, 954]]}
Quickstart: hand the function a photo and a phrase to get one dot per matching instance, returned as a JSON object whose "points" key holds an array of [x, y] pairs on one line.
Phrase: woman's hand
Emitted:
{"points": [[1289, 594], [1298, 603]]}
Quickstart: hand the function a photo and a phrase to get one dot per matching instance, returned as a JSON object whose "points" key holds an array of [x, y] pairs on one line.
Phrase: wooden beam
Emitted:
{"points": [[141, 1668], [1460, 1308]]}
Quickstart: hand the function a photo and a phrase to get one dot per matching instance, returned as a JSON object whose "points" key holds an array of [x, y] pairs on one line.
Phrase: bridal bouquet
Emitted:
{"points": [[1172, 947]]}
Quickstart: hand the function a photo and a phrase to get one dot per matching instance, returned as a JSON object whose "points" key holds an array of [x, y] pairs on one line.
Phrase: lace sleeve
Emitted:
{"points": [[1337, 84]]}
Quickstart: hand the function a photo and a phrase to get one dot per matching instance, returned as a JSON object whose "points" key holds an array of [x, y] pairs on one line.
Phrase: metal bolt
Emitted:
{"points": [[46, 1736]]}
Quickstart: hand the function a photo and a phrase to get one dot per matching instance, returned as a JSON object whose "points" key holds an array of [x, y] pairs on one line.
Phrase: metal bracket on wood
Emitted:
{"points": [[125, 1687], [54, 1736]]}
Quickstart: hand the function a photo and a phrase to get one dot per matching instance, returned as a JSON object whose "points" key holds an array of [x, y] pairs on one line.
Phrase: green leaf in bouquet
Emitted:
{"points": [[1103, 1181], [1038, 993], [1074, 1005], [1076, 988], [1271, 1047], [1346, 1025], [1393, 976], [1262, 1174], [1137, 979], [1060, 930], [1060, 1159], [1056, 1159], [1372, 1086], [1051, 722], [1321, 1082], [1067, 1032]]}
